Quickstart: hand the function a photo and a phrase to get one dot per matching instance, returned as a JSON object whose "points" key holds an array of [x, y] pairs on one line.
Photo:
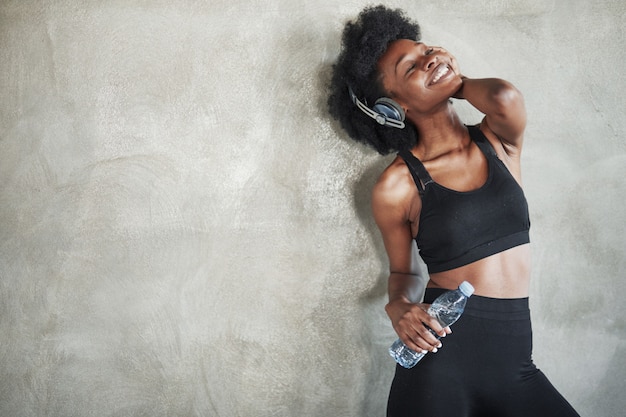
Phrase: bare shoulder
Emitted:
{"points": [[394, 182], [395, 193]]}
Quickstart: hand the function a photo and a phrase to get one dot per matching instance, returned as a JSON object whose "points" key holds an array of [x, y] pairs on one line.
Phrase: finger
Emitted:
{"points": [[420, 329], [414, 346], [436, 327], [416, 341], [425, 339], [422, 346]]}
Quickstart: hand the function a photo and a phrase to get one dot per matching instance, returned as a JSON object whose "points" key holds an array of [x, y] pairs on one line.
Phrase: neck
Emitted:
{"points": [[439, 133]]}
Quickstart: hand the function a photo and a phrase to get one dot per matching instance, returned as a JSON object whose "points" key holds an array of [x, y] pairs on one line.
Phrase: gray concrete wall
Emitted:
{"points": [[184, 232]]}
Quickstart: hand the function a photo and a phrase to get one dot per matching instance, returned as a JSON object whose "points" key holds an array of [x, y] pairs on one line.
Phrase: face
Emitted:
{"points": [[419, 77]]}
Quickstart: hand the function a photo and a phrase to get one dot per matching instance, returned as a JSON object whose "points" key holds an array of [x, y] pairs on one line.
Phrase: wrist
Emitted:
{"points": [[397, 307]]}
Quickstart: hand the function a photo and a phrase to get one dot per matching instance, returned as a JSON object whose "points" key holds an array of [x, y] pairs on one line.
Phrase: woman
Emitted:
{"points": [[456, 191]]}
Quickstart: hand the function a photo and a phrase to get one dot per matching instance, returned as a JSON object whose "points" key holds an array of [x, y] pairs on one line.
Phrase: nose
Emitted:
{"points": [[431, 61]]}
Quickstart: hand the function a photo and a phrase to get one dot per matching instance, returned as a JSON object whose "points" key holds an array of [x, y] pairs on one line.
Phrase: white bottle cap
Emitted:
{"points": [[466, 288]]}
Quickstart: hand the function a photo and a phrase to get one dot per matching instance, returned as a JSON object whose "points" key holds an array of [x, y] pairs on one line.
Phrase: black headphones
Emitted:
{"points": [[385, 111]]}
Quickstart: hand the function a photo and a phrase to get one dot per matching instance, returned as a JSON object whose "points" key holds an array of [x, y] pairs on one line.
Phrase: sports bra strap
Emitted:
{"points": [[483, 143], [418, 172], [422, 178]]}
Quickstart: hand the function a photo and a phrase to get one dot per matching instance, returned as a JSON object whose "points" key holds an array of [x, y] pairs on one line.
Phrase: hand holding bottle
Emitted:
{"points": [[446, 310], [412, 323]]}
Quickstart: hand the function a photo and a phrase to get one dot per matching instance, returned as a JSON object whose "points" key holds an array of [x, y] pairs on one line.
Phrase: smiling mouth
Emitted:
{"points": [[440, 72]]}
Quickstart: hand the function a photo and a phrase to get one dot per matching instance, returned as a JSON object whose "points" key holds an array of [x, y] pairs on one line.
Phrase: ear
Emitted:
{"points": [[399, 103]]}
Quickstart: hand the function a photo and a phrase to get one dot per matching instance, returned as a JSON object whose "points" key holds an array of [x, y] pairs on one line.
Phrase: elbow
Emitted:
{"points": [[508, 114], [508, 101]]}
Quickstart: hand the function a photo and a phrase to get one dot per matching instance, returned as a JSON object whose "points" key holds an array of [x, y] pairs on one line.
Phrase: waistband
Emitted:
{"points": [[487, 307]]}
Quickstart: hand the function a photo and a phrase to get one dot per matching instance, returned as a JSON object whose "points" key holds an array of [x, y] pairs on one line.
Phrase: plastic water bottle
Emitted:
{"points": [[447, 308]]}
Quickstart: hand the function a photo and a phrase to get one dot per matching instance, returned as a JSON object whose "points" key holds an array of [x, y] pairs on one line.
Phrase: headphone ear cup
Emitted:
{"points": [[389, 108], [385, 111]]}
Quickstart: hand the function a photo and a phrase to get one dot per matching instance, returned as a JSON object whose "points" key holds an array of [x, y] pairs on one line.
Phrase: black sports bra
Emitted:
{"points": [[458, 228]]}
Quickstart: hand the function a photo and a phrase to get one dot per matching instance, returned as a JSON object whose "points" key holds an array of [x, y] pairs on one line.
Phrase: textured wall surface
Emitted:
{"points": [[184, 232]]}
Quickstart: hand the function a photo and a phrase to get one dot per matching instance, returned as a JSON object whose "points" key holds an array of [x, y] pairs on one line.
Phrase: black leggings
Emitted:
{"points": [[484, 369]]}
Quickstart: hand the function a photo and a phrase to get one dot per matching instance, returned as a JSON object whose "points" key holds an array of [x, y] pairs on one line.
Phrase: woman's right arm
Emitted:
{"points": [[393, 198]]}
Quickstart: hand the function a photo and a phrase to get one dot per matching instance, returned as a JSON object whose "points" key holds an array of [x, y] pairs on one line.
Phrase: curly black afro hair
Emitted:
{"points": [[363, 43]]}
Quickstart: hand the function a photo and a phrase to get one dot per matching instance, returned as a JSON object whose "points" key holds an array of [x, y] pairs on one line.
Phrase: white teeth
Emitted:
{"points": [[440, 73]]}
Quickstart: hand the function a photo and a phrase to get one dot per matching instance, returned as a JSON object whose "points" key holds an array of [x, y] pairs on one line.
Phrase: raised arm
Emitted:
{"points": [[503, 106]]}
